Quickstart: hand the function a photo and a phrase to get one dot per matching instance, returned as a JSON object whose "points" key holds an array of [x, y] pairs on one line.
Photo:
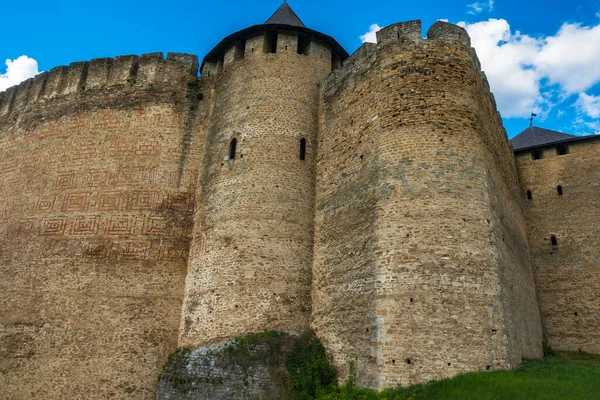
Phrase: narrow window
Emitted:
{"points": [[336, 63], [529, 195], [270, 42], [303, 149], [303, 44], [537, 154], [240, 49], [554, 242], [562, 149], [221, 62], [559, 190], [232, 148]]}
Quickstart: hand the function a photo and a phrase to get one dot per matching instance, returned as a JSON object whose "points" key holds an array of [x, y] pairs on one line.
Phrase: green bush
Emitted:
{"points": [[310, 370]]}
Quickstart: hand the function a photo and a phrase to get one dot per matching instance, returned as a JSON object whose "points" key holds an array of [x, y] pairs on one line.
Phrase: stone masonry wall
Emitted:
{"points": [[567, 275], [412, 280], [251, 256], [98, 169]]}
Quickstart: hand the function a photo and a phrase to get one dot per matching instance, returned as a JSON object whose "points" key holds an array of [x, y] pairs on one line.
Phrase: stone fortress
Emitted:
{"points": [[373, 198]]}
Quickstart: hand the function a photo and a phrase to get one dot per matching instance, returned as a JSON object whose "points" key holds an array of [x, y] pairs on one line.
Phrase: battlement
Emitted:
{"points": [[405, 34], [268, 44], [130, 73]]}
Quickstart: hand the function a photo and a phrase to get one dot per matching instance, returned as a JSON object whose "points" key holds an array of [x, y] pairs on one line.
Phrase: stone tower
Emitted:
{"points": [[421, 266], [250, 264]]}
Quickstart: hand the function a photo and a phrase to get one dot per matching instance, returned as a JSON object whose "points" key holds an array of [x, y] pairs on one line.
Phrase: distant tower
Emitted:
{"points": [[251, 257]]}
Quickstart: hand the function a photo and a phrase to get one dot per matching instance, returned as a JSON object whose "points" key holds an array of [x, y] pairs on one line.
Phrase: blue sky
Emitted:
{"points": [[541, 56]]}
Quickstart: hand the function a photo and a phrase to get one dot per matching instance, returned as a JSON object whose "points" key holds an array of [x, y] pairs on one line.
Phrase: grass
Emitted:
{"points": [[562, 375]]}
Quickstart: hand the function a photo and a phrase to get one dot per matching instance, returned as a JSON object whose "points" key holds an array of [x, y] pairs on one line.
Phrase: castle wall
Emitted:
{"points": [[98, 169], [421, 268], [567, 275], [251, 256]]}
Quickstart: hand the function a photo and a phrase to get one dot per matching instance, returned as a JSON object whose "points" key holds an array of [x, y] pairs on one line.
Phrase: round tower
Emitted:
{"points": [[250, 264]]}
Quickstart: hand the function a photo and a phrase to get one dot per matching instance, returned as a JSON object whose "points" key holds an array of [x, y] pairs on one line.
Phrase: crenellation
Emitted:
{"points": [[151, 70], [75, 78], [123, 71], [287, 41], [55, 82], [22, 94], [98, 74], [38, 87], [229, 56], [254, 46], [320, 53], [409, 30], [179, 68], [209, 69], [448, 33], [187, 62], [7, 100]]}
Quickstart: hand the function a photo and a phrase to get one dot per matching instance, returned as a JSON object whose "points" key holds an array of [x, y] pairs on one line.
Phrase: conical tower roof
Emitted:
{"points": [[283, 19], [285, 16]]}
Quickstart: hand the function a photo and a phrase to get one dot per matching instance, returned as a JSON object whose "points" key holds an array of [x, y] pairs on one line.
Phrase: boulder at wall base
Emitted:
{"points": [[268, 365]]}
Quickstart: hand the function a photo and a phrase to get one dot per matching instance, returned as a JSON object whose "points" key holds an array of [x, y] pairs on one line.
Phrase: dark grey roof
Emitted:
{"points": [[289, 22], [535, 137], [285, 16]]}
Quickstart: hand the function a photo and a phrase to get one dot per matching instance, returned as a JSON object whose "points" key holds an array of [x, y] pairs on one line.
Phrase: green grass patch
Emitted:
{"points": [[562, 375]]}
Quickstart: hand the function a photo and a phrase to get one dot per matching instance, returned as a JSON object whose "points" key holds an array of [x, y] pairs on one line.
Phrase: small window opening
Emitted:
{"points": [[408, 361], [240, 49], [537, 154], [232, 148], [554, 242], [529, 195], [270, 42], [336, 63], [487, 367], [302, 149], [562, 149], [559, 190], [303, 45], [393, 361], [575, 313]]}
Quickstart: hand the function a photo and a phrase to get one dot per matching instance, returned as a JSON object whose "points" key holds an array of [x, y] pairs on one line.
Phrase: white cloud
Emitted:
{"points": [[589, 105], [17, 71], [479, 7], [474, 8], [571, 58], [583, 127], [370, 36], [531, 74], [507, 61]]}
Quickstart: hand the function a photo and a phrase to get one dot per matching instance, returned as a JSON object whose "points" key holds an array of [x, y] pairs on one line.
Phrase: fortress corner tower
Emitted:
{"points": [[250, 264], [421, 267]]}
